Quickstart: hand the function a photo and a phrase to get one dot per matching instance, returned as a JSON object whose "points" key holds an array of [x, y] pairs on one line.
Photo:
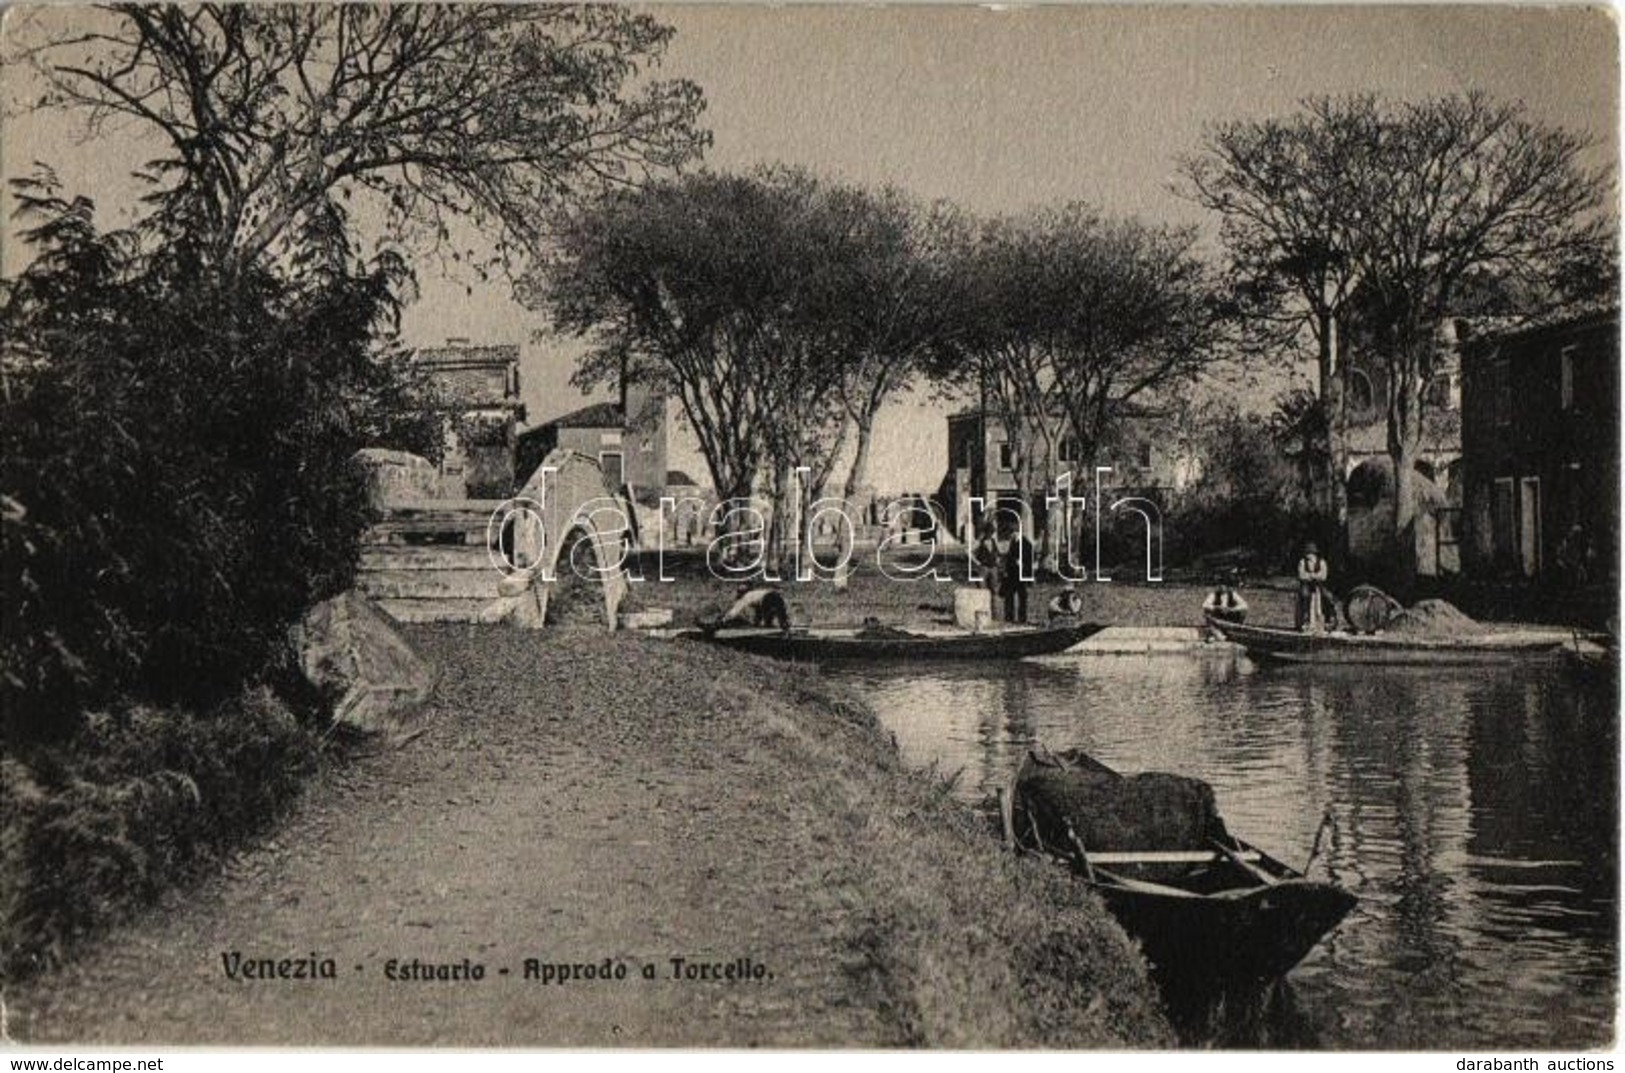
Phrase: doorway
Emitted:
{"points": [[614, 469], [1529, 525]]}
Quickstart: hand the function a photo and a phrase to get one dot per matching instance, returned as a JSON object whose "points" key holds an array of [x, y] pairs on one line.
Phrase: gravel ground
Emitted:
{"points": [[576, 798]]}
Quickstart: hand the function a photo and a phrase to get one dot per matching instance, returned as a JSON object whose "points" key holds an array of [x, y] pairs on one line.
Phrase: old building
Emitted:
{"points": [[1146, 453], [1370, 471], [1540, 450], [628, 439], [478, 390]]}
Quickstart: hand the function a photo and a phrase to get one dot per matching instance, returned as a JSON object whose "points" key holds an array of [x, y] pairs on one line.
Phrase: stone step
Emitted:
{"points": [[469, 522], [449, 580], [482, 507], [445, 532], [378, 557], [442, 609], [480, 584]]}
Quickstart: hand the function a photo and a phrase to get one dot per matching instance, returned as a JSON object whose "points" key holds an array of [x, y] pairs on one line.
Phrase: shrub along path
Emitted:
{"points": [[578, 798]]}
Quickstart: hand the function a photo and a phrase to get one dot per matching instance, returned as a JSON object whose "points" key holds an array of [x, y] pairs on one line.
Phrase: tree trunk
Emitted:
{"points": [[1334, 390], [1326, 359], [782, 522], [1404, 449], [858, 475], [856, 478]]}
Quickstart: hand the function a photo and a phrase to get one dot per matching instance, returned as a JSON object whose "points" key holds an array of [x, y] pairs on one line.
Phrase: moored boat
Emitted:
{"points": [[1208, 909], [889, 643], [1592, 658], [1314, 646]]}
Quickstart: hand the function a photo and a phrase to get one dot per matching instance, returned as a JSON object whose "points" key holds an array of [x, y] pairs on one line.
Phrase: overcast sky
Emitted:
{"points": [[999, 109]]}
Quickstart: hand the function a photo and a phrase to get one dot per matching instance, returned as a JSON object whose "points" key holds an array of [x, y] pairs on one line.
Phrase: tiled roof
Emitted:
{"points": [[598, 415], [1501, 329], [498, 354], [1132, 410]]}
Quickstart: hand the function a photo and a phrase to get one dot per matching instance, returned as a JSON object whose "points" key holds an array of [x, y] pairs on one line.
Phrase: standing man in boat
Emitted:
{"points": [[991, 563], [1312, 574], [1016, 568]]}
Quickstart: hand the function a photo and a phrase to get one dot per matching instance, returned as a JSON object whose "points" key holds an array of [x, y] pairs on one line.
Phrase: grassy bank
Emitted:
{"points": [[138, 800], [960, 944], [947, 940]]}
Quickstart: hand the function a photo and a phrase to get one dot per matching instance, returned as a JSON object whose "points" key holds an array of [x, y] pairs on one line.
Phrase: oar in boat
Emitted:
{"points": [[1327, 819], [1083, 854], [1245, 865]]}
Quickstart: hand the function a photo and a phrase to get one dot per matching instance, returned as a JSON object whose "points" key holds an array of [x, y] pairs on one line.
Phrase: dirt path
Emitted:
{"points": [[515, 828], [695, 807]]}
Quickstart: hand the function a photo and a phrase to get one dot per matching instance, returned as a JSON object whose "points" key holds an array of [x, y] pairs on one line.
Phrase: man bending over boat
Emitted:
{"points": [[1066, 605], [757, 605], [1225, 604]]}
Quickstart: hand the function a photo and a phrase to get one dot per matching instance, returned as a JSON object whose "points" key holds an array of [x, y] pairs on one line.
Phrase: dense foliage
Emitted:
{"points": [[134, 800], [782, 310], [1254, 501], [174, 461]]}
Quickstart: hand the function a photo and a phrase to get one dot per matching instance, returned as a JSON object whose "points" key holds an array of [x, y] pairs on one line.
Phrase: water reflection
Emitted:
{"points": [[1475, 815]]}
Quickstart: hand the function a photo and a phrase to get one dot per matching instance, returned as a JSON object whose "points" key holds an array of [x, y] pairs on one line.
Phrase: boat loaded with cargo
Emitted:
{"points": [[1380, 630], [1321, 646], [1208, 909]]}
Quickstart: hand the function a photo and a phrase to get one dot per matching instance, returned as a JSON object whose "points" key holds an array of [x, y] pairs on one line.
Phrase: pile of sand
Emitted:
{"points": [[1149, 811], [1433, 619]]}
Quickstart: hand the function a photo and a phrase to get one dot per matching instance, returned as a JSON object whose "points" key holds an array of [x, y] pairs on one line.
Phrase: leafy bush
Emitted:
{"points": [[1251, 495], [174, 462], [135, 800]]}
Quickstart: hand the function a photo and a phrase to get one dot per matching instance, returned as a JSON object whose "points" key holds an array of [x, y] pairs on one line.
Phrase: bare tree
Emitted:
{"points": [[889, 305], [1385, 219], [656, 278], [1003, 294], [275, 115], [1073, 317], [1288, 216], [1453, 191]]}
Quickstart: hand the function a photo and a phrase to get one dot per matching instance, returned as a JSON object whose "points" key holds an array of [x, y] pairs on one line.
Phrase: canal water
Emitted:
{"points": [[1475, 816]]}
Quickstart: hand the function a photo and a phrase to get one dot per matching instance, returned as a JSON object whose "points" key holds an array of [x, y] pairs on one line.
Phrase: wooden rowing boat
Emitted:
{"points": [[1214, 915], [886, 643], [1295, 646]]}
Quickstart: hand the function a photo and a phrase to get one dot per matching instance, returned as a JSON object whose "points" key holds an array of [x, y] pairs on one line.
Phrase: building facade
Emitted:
{"points": [[1540, 451], [1146, 452], [478, 391], [628, 439]]}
